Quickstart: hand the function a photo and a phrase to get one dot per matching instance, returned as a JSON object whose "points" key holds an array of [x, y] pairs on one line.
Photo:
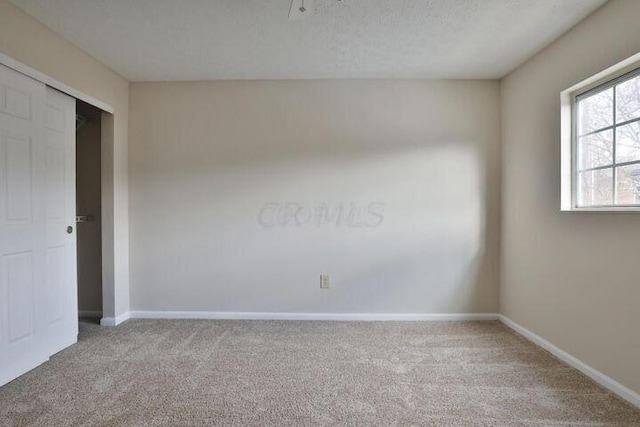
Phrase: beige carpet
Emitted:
{"points": [[191, 372]]}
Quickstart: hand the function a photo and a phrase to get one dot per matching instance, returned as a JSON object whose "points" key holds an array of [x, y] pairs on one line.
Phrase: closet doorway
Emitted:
{"points": [[88, 210]]}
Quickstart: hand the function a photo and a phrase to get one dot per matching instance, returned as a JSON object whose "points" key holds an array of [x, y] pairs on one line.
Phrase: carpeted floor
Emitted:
{"points": [[276, 373]]}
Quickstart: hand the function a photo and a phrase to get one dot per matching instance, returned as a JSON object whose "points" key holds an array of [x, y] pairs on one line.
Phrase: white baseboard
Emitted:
{"points": [[142, 314], [90, 314], [607, 382], [115, 321]]}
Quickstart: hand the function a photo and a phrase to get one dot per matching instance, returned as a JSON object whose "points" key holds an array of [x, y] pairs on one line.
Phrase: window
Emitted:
{"points": [[607, 144], [600, 144]]}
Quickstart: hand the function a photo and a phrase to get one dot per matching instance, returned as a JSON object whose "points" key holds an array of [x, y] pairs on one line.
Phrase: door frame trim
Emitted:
{"points": [[50, 81]]}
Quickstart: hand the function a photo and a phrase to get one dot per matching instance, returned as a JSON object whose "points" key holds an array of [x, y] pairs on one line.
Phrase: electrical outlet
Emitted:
{"points": [[324, 282]]}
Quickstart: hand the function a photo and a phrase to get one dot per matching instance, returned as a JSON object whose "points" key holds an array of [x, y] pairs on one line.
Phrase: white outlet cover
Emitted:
{"points": [[325, 283]]}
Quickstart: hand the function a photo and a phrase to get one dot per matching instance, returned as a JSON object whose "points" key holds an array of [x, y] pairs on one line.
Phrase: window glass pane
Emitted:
{"points": [[595, 188], [595, 112], [595, 150], [628, 143], [628, 185], [628, 100]]}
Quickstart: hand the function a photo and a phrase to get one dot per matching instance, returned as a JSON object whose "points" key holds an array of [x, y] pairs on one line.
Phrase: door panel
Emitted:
{"points": [[54, 172], [18, 178], [18, 102], [21, 307], [55, 284], [60, 213], [23, 342], [38, 308]]}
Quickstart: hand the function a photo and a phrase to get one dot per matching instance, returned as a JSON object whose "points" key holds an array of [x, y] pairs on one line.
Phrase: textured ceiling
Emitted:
{"points": [[254, 39]]}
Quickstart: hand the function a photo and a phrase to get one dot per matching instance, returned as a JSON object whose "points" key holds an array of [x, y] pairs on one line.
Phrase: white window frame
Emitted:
{"points": [[568, 100]]}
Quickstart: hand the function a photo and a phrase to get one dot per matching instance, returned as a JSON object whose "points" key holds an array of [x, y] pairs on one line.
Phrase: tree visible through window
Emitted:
{"points": [[608, 144]]}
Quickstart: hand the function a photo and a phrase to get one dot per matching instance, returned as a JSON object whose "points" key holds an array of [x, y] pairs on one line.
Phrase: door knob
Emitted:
{"points": [[69, 229]]}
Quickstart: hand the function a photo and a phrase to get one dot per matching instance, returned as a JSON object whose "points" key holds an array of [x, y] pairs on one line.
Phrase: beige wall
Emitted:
{"points": [[28, 41], [571, 278], [211, 162]]}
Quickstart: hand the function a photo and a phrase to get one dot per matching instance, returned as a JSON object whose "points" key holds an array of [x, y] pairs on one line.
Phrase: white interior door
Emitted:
{"points": [[60, 219], [37, 263]]}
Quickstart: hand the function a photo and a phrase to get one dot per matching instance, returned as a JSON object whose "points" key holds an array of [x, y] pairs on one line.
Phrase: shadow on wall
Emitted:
{"points": [[244, 193], [398, 229]]}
